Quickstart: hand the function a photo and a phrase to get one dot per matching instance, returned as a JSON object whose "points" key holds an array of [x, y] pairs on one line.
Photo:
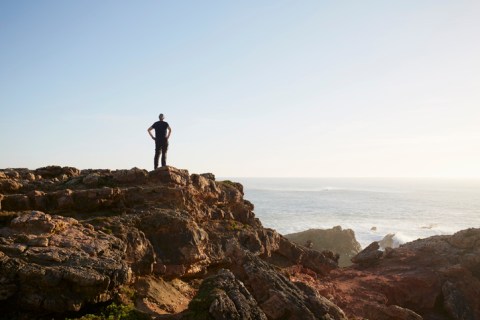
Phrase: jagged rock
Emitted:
{"points": [[369, 255], [62, 264], [223, 297], [34, 223], [11, 173], [30, 176], [455, 303], [373, 310], [209, 176], [204, 184], [158, 296], [65, 199], [466, 239], [277, 296], [16, 202], [37, 200], [92, 179], [171, 235], [134, 175], [437, 278], [51, 172], [336, 240], [139, 253], [163, 231], [169, 175], [320, 262], [9, 185]]}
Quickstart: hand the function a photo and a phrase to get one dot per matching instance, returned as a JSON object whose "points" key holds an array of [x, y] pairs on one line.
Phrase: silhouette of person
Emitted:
{"points": [[161, 140]]}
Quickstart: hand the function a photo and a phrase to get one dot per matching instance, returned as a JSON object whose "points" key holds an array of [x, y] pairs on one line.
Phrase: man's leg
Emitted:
{"points": [[157, 155], [164, 153]]}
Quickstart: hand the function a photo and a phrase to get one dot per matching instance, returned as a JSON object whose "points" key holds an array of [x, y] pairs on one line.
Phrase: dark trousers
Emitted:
{"points": [[161, 146]]}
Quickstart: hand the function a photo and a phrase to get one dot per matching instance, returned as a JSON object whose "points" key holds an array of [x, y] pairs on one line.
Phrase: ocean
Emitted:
{"points": [[371, 207]]}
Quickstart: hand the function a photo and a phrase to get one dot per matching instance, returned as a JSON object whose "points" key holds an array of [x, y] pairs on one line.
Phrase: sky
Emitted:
{"points": [[250, 88]]}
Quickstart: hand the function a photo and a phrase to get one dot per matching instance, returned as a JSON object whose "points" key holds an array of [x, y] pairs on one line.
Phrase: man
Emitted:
{"points": [[161, 140]]}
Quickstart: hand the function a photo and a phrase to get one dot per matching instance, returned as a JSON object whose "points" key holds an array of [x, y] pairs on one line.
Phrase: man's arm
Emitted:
{"points": [[150, 132], [169, 132]]}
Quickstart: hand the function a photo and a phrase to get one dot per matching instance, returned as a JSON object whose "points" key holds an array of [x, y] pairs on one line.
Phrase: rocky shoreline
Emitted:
{"points": [[174, 245]]}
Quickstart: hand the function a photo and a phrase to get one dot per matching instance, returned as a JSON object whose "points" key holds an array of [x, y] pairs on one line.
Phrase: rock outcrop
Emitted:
{"points": [[174, 245], [339, 241], [222, 296], [56, 264], [71, 241], [433, 278]]}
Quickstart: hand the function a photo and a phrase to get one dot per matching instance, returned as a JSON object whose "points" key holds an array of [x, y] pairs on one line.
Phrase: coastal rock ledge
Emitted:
{"points": [[167, 244]]}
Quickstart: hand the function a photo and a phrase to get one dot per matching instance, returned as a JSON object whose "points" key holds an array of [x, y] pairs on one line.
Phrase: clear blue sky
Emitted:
{"points": [[250, 88]]}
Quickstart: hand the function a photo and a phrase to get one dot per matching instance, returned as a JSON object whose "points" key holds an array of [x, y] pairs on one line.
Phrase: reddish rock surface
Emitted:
{"points": [[433, 278]]}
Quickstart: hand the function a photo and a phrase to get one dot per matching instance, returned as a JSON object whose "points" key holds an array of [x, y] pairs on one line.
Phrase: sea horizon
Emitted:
{"points": [[410, 208]]}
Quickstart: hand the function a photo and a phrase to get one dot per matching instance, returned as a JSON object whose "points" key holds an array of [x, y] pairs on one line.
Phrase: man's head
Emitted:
{"points": [[161, 116]]}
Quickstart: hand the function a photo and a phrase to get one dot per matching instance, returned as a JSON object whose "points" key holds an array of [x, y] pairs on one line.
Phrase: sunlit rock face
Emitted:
{"points": [[73, 239], [176, 245], [336, 239]]}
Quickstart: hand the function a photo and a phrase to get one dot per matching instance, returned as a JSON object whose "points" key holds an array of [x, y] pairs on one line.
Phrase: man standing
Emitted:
{"points": [[161, 140]]}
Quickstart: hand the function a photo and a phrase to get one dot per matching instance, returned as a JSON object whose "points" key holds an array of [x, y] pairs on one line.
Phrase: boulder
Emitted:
{"points": [[169, 175], [336, 240], [320, 262], [12, 174], [35, 223], [134, 175], [369, 255], [156, 296], [277, 296], [51, 172], [92, 179], [222, 296], [209, 176], [57, 264], [10, 185], [179, 243], [16, 202]]}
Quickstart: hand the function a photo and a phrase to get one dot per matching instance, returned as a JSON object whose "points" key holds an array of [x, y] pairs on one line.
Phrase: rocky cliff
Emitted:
{"points": [[169, 243], [166, 244]]}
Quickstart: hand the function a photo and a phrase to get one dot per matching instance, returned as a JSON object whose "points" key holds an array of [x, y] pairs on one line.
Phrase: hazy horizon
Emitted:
{"points": [[271, 89]]}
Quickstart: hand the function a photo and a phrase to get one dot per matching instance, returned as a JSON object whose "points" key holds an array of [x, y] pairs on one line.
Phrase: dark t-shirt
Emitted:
{"points": [[160, 129]]}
